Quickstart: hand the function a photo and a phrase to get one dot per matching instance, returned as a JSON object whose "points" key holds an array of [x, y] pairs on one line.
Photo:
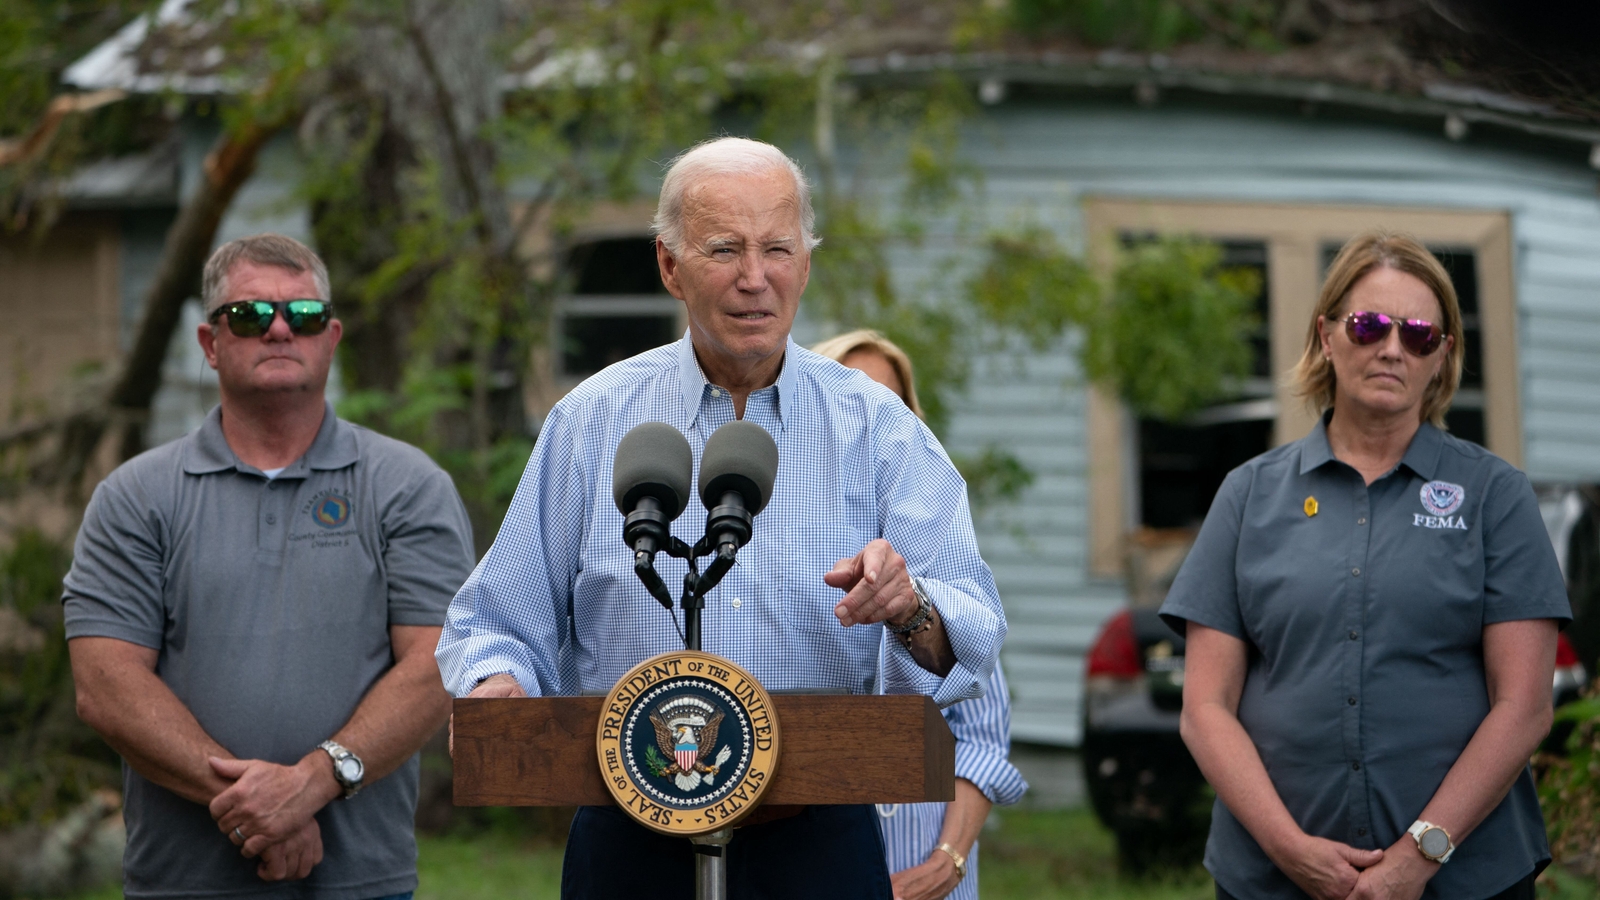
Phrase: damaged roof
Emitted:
{"points": [[1361, 66]]}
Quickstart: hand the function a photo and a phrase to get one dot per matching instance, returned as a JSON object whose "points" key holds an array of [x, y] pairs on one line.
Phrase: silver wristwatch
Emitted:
{"points": [[924, 610], [348, 769], [1432, 840]]}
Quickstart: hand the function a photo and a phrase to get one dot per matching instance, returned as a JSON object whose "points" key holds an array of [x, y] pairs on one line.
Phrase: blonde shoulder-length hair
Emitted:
{"points": [[1313, 379], [838, 347]]}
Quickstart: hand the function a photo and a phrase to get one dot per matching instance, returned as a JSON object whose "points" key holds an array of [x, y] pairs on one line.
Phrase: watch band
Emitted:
{"points": [[924, 610], [339, 753], [958, 859], [1419, 828]]}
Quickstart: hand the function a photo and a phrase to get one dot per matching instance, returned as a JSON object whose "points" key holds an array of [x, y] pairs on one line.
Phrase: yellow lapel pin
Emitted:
{"points": [[1311, 507]]}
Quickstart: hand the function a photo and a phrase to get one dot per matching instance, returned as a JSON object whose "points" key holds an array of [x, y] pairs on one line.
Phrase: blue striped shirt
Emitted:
{"points": [[983, 742], [555, 602]]}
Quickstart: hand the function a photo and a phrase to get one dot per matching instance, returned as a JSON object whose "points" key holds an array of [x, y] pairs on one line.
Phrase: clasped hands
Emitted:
{"points": [[272, 807], [1329, 870]]}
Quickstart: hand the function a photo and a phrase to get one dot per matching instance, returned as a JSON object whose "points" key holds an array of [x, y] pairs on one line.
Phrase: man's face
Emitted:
{"points": [[279, 361], [742, 268]]}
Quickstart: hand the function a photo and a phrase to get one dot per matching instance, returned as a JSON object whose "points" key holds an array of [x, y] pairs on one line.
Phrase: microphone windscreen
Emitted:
{"points": [[740, 456], [653, 460]]}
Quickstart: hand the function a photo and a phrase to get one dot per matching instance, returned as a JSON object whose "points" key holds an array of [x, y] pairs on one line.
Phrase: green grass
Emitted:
{"points": [[1065, 853], [1031, 855], [487, 866]]}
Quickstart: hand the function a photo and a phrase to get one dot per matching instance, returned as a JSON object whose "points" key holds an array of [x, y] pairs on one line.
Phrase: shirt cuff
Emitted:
{"points": [[990, 771], [975, 633], [465, 662]]}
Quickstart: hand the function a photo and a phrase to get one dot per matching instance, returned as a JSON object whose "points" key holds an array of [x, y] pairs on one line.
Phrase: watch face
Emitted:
{"points": [[1435, 842], [349, 770]]}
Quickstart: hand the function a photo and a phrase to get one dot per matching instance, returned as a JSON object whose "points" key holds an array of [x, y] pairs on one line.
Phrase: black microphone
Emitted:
{"points": [[736, 476], [650, 484]]}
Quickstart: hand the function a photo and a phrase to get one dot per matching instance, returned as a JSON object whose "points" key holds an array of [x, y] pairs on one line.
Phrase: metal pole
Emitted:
{"points": [[711, 865], [692, 603], [691, 627]]}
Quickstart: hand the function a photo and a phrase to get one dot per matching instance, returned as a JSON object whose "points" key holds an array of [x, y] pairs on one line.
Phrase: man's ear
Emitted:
{"points": [[668, 265], [207, 335]]}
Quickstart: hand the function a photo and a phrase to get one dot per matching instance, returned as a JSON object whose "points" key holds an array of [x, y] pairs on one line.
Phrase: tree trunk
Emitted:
{"points": [[427, 94], [125, 410]]}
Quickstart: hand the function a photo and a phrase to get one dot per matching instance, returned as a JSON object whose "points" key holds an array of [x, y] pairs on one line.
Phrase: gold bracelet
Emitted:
{"points": [[958, 859]]}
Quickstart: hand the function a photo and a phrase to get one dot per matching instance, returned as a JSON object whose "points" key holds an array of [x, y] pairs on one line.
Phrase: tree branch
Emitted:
{"points": [[26, 149], [229, 164]]}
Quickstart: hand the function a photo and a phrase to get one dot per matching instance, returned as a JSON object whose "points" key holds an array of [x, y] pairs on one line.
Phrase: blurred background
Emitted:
{"points": [[1098, 226]]}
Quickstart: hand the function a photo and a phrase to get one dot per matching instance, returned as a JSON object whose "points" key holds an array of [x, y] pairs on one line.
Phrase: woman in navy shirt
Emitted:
{"points": [[1371, 616]]}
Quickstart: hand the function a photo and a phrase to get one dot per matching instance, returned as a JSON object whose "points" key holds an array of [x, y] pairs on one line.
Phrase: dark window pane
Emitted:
{"points": [[1466, 424], [590, 343], [1463, 268], [615, 266], [1181, 466]]}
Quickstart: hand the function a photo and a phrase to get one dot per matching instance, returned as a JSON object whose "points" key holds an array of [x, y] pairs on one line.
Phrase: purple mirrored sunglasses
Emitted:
{"points": [[1419, 336]]}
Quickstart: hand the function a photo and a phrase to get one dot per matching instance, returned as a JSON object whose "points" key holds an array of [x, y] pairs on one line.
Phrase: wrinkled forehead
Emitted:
{"points": [[1393, 292], [249, 280], [767, 201]]}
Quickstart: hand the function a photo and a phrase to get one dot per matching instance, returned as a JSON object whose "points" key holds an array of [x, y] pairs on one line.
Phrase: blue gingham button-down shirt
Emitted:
{"points": [[555, 602]]}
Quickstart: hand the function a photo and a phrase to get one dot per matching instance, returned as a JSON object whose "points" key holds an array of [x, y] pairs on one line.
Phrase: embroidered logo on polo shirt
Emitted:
{"points": [[330, 510], [1441, 499]]}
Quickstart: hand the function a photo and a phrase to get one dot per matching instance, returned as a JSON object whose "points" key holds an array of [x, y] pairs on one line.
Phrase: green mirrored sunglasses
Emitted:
{"points": [[252, 318]]}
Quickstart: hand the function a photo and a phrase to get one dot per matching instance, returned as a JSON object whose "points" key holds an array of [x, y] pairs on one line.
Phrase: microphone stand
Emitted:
{"points": [[710, 850]]}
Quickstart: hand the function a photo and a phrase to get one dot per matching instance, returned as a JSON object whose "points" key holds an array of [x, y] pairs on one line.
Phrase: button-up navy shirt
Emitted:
{"points": [[1364, 607]]}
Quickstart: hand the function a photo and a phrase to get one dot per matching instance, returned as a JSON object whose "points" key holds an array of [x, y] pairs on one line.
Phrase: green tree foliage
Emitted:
{"points": [[1146, 24], [1569, 784], [1160, 24], [38, 40], [1032, 287], [49, 761], [1170, 337]]}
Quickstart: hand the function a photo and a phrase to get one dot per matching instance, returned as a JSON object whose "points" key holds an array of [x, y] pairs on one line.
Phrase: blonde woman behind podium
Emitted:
{"points": [[932, 848]]}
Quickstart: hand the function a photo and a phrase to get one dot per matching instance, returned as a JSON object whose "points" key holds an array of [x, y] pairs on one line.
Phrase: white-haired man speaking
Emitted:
{"points": [[867, 532]]}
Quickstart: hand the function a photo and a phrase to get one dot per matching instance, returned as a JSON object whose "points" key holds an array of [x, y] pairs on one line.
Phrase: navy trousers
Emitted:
{"points": [[825, 851]]}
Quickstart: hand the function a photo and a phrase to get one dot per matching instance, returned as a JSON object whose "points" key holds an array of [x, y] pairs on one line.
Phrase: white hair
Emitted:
{"points": [[725, 156]]}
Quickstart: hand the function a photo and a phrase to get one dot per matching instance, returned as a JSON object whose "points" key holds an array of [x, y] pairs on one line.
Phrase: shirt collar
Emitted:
{"points": [[1422, 456], [1315, 449], [693, 380], [333, 448]]}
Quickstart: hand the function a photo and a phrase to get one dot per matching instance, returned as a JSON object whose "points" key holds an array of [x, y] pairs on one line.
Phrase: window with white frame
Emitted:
{"points": [[616, 307]]}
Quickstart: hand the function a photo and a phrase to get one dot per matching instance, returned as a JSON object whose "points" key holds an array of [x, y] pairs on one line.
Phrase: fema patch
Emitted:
{"points": [[687, 743], [1441, 498], [330, 510]]}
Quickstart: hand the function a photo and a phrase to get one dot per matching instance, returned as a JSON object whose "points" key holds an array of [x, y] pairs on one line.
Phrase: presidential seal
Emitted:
{"points": [[687, 742]]}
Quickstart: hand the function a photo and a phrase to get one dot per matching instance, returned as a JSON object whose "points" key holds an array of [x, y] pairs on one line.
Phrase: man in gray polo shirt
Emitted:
{"points": [[252, 612]]}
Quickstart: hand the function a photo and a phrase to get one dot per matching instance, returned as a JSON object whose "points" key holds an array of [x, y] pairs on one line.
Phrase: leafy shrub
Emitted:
{"points": [[1569, 787], [1172, 335], [49, 760]]}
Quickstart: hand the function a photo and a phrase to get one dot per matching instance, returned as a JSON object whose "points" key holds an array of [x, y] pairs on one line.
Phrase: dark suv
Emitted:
{"points": [[1141, 780]]}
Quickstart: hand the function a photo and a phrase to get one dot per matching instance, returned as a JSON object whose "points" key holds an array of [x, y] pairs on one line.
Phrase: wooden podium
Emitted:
{"points": [[540, 751]]}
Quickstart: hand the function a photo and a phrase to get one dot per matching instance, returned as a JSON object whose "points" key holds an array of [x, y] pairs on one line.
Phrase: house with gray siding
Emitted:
{"points": [[1280, 172]]}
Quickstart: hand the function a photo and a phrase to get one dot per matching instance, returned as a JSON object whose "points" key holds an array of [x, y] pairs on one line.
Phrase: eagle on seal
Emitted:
{"points": [[687, 754]]}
